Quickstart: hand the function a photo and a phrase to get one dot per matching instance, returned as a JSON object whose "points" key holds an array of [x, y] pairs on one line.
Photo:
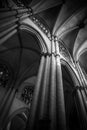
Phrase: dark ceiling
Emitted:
{"points": [[21, 51]]}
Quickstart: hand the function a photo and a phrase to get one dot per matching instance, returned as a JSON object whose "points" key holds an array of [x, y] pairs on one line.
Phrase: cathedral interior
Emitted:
{"points": [[43, 64]]}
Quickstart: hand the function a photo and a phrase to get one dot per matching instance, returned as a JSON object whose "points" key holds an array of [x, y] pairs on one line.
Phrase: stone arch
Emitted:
{"points": [[28, 30], [70, 84], [41, 43], [16, 112], [72, 71], [7, 46]]}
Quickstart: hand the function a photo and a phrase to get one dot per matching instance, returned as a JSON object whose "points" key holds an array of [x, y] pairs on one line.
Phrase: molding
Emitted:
{"points": [[64, 52], [33, 31]]}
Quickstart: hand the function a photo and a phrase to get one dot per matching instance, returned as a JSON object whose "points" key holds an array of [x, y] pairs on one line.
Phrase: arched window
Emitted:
{"points": [[27, 94]]}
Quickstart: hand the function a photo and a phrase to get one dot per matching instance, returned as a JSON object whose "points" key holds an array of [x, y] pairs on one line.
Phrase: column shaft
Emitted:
{"points": [[36, 97], [61, 120], [82, 78], [45, 90], [5, 99], [52, 99], [6, 108], [81, 110], [53, 94], [83, 90]]}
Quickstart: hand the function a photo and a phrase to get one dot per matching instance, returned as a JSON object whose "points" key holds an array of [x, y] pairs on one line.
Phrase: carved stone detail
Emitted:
{"points": [[64, 52]]}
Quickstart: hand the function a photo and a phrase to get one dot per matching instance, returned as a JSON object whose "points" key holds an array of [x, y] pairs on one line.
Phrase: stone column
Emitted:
{"points": [[45, 90], [4, 100], [47, 109], [34, 113], [61, 119], [81, 99], [83, 85], [52, 99], [82, 115], [6, 107]]}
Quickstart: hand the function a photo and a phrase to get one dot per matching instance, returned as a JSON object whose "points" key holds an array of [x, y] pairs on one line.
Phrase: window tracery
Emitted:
{"points": [[64, 52], [27, 94]]}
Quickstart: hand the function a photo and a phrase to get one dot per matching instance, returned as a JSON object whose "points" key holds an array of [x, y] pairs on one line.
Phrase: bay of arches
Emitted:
{"points": [[21, 53]]}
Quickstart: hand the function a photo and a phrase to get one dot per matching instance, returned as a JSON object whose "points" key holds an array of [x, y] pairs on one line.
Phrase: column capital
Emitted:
{"points": [[45, 54], [78, 88], [55, 38]]}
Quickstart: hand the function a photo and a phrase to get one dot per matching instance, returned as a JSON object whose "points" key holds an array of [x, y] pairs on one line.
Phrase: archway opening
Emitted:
{"points": [[18, 121], [72, 119], [21, 52]]}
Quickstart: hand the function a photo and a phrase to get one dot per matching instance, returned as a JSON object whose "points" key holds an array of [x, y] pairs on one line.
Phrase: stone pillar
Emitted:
{"points": [[81, 99], [52, 99], [83, 85], [82, 114], [4, 100], [48, 109], [45, 90], [6, 106], [61, 120], [36, 97]]}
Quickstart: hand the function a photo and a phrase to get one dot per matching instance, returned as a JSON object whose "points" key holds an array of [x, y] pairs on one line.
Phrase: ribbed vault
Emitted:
{"points": [[45, 40]]}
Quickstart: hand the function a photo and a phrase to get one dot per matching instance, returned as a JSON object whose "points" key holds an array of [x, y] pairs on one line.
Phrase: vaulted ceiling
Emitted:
{"points": [[67, 20]]}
